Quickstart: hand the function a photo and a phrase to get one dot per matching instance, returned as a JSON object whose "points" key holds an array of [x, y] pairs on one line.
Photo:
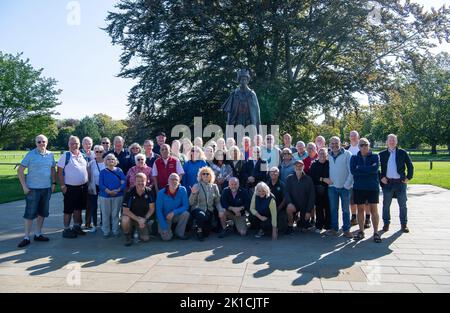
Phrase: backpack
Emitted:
{"points": [[68, 157]]}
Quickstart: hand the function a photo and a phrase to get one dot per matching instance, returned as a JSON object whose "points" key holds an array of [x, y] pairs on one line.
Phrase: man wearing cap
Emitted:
{"points": [[160, 140], [287, 166], [300, 197], [242, 105]]}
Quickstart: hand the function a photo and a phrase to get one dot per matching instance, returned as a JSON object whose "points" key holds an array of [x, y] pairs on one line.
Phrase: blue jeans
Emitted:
{"points": [[388, 193], [334, 194]]}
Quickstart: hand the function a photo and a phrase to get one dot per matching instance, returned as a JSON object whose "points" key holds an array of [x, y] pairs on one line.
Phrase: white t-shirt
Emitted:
{"points": [[75, 172], [353, 149]]}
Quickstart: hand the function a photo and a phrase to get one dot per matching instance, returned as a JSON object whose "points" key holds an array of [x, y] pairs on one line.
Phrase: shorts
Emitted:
{"points": [[37, 203], [239, 221], [366, 196], [75, 198]]}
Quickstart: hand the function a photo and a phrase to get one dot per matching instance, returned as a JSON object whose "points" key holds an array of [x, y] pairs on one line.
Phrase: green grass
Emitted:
{"points": [[438, 176], [10, 188]]}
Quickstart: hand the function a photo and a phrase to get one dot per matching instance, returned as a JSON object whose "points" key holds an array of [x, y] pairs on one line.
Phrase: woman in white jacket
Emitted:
{"points": [[95, 166]]}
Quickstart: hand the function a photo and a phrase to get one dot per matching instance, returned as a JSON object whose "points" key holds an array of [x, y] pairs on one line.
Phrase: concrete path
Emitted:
{"points": [[414, 262]]}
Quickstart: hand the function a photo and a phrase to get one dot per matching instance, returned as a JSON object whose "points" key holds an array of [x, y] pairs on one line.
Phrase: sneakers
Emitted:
{"points": [[348, 234], [405, 228], [223, 233], [128, 240], [69, 233], [290, 230], [386, 227], [41, 238], [77, 229], [367, 224], [331, 232], [200, 236], [25, 242], [259, 234]]}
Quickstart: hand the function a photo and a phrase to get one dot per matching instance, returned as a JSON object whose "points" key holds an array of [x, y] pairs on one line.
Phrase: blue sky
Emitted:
{"points": [[79, 55]]}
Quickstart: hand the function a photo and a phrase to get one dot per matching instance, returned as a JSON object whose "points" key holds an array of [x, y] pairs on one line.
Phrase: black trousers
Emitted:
{"points": [[203, 219], [323, 217], [256, 223]]}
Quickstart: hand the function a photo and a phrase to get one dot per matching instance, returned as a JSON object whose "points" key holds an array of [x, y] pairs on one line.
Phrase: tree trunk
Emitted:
{"points": [[433, 148]]}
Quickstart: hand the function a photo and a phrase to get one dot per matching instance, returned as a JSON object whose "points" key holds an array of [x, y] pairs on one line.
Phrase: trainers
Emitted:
{"points": [[25, 242], [367, 224], [331, 232], [386, 227], [290, 230], [348, 234], [128, 240], [69, 233], [77, 229], [405, 229], [223, 233], [353, 222], [259, 234], [200, 236], [41, 238], [93, 229]]}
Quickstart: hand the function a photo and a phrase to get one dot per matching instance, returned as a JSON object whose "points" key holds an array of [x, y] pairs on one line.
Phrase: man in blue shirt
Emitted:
{"points": [[37, 186]]}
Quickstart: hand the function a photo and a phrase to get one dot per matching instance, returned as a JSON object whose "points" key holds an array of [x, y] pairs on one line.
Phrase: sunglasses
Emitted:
{"points": [[140, 159], [205, 174], [105, 143], [41, 141], [99, 152]]}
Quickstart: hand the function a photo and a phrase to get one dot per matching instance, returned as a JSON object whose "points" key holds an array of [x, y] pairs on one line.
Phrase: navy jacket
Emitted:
{"points": [[403, 162], [365, 171]]}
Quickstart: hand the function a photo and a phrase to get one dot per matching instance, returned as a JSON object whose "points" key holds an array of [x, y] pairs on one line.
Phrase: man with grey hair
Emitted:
{"points": [[341, 183], [353, 147], [150, 155], [164, 166], [38, 187], [73, 179], [235, 201], [394, 179], [122, 154]]}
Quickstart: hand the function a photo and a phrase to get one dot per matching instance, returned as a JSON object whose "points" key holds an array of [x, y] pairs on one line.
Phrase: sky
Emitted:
{"points": [[64, 38]]}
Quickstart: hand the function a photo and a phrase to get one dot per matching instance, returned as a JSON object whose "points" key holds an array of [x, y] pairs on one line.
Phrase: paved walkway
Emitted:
{"points": [[414, 262]]}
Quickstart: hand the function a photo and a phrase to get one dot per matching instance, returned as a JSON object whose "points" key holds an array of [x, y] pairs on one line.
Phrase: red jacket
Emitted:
{"points": [[164, 171]]}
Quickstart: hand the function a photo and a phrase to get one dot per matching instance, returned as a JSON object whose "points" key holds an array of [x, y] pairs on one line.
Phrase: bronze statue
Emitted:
{"points": [[242, 105]]}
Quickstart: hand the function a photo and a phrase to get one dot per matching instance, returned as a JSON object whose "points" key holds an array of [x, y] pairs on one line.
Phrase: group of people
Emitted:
{"points": [[192, 187]]}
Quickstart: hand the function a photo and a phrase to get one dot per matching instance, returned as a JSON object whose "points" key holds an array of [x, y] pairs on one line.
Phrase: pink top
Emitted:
{"points": [[131, 175]]}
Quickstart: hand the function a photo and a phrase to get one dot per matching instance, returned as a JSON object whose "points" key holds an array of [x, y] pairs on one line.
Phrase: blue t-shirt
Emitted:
{"points": [[39, 169]]}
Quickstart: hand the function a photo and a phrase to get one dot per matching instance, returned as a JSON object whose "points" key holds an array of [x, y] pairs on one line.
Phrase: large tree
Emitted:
{"points": [[303, 55], [24, 93]]}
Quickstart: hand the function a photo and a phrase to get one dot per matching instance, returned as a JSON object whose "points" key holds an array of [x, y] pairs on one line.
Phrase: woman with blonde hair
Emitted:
{"points": [[204, 199], [263, 209]]}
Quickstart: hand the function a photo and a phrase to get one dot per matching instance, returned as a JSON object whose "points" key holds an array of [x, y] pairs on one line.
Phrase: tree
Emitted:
{"points": [[303, 55], [88, 127], [24, 93], [108, 127]]}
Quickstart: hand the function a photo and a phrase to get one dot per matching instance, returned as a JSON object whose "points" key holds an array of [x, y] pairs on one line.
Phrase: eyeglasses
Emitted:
{"points": [[205, 174], [134, 148], [140, 159], [41, 141], [99, 152]]}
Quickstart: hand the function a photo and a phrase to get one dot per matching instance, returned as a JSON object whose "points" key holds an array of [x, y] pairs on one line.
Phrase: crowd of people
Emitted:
{"points": [[191, 188]]}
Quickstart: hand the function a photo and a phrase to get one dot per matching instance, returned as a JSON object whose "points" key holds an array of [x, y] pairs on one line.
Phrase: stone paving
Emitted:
{"points": [[414, 262]]}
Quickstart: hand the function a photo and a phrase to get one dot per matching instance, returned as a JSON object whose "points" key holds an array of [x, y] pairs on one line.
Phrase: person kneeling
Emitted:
{"points": [[263, 210], [172, 206], [138, 208]]}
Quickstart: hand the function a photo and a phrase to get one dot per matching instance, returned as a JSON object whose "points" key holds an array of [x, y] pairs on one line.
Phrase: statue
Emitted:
{"points": [[242, 105]]}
